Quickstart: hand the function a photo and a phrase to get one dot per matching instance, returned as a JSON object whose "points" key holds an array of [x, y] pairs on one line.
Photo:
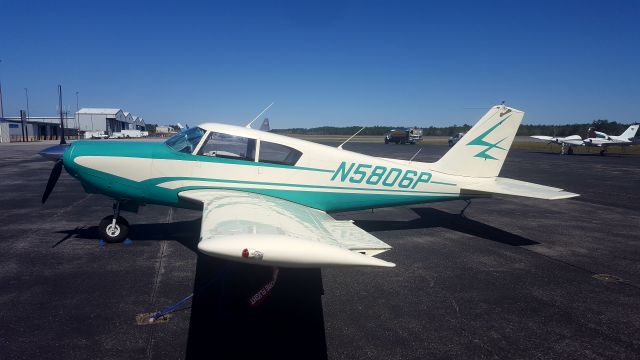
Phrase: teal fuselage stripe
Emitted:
{"points": [[442, 183], [158, 181], [148, 191]]}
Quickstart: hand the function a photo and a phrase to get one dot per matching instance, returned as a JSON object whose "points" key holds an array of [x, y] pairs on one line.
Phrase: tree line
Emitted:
{"points": [[608, 127]]}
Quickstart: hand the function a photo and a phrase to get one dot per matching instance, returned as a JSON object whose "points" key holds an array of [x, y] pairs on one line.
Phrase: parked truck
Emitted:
{"points": [[455, 138], [126, 134], [403, 136], [95, 135]]}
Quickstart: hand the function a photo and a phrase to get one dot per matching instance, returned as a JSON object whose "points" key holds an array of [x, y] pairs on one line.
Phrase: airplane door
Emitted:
{"points": [[222, 161]]}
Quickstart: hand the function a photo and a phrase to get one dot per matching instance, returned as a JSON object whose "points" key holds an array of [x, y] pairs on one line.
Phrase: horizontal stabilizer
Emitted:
{"points": [[518, 188]]}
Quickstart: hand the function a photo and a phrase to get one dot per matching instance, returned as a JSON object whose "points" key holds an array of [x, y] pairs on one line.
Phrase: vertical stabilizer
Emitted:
{"points": [[265, 125], [481, 152], [630, 132]]}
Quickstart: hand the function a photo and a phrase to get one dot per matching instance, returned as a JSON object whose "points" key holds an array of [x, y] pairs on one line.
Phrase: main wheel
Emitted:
{"points": [[450, 143], [601, 152], [113, 233], [386, 141], [570, 151]]}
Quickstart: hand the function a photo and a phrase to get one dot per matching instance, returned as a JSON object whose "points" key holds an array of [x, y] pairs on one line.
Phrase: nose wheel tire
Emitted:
{"points": [[113, 233]]}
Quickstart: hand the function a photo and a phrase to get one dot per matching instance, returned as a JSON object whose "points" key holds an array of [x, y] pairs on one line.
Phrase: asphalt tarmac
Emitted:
{"points": [[514, 278]]}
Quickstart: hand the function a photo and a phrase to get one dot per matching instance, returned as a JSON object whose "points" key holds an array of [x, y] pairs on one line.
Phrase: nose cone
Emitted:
{"points": [[54, 153]]}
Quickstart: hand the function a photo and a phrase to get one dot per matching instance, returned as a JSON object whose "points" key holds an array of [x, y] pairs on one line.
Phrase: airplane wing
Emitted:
{"points": [[571, 140], [506, 186], [259, 229], [545, 138]]}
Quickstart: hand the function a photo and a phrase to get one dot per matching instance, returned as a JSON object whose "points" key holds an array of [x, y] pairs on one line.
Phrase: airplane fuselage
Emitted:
{"points": [[154, 173]]}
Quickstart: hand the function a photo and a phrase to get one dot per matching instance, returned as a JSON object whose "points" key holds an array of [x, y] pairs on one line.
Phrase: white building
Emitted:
{"points": [[138, 123], [35, 128], [101, 119], [129, 119], [164, 129], [86, 119]]}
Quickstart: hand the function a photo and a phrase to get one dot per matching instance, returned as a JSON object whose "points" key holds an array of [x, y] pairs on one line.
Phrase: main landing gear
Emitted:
{"points": [[114, 228], [566, 149]]}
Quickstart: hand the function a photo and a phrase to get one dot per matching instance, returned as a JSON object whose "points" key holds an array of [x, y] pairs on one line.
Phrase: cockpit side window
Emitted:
{"points": [[186, 141], [229, 146], [278, 154]]}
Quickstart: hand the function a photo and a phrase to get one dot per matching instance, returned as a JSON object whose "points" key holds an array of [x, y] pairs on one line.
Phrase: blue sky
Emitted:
{"points": [[325, 63]]}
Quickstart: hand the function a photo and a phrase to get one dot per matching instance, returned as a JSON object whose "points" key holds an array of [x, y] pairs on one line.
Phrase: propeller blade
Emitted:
{"points": [[53, 179]]}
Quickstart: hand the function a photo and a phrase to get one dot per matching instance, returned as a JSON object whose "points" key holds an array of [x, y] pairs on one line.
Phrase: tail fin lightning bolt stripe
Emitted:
{"points": [[480, 141]]}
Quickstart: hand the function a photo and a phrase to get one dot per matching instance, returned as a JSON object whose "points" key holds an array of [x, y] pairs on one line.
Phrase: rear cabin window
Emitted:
{"points": [[278, 154], [229, 146]]}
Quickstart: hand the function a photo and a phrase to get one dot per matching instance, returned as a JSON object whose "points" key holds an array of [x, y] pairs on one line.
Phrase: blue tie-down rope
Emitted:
{"points": [[254, 301], [164, 312], [126, 242], [159, 314]]}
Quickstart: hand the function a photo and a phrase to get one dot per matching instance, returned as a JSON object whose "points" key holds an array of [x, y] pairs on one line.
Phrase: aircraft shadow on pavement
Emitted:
{"points": [[184, 232], [287, 324], [430, 217]]}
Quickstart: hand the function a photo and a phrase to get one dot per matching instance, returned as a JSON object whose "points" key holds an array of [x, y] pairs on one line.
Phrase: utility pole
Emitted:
{"points": [[76, 118], [1, 105], [26, 94], [62, 140]]}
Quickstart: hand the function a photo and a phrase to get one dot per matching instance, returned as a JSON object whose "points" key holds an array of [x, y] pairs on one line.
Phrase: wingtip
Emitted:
{"points": [[565, 195]]}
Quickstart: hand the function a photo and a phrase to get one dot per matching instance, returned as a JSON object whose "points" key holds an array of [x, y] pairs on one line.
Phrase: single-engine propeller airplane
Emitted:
{"points": [[594, 138], [265, 197]]}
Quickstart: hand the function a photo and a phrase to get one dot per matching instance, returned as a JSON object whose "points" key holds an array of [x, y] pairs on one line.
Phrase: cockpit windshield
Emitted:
{"points": [[186, 141]]}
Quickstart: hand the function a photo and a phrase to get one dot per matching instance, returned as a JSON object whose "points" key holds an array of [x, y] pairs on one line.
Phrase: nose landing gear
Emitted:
{"points": [[114, 228]]}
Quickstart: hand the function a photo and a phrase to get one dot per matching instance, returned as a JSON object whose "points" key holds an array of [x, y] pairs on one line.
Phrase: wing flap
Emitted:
{"points": [[284, 233], [507, 186]]}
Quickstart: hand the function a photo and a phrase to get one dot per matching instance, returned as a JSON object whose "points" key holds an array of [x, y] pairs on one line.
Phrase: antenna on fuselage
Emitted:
{"points": [[352, 136], [248, 126], [414, 155]]}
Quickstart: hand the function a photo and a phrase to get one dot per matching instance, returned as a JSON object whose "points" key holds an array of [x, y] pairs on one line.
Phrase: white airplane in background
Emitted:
{"points": [[265, 197], [594, 138], [600, 139]]}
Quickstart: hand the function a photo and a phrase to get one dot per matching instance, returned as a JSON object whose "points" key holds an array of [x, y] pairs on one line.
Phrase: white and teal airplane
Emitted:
{"points": [[265, 198]]}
